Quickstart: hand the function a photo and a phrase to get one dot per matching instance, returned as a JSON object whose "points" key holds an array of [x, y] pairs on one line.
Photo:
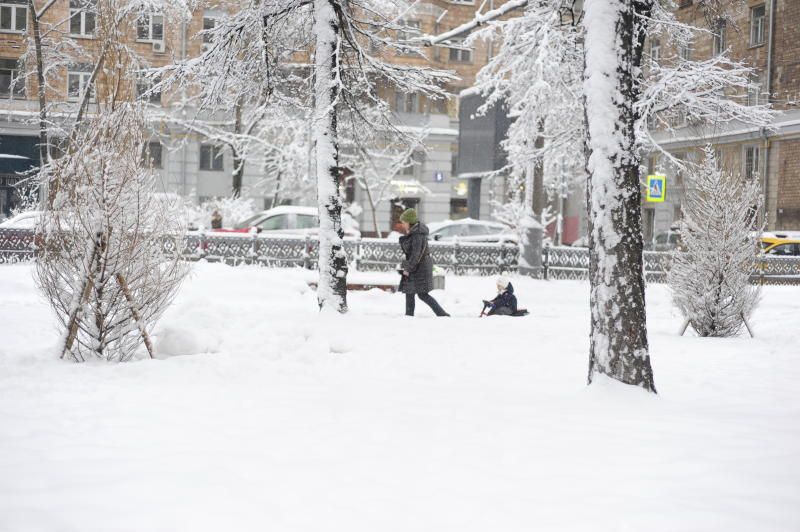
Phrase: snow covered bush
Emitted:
{"points": [[710, 276], [109, 260]]}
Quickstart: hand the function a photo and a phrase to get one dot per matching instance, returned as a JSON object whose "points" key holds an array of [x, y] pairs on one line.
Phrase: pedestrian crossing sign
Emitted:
{"points": [[656, 188]]}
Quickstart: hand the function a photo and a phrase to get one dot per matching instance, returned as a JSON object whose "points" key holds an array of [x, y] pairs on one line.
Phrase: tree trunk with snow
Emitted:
{"points": [[332, 288], [614, 45], [238, 161]]}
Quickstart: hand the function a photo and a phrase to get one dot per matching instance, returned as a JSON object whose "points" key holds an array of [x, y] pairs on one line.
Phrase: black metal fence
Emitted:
{"points": [[376, 255], [369, 254]]}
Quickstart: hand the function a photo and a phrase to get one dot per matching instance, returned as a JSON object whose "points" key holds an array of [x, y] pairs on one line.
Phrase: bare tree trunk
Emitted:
{"points": [[238, 162], [538, 183], [619, 347], [374, 209], [332, 288], [44, 148], [276, 196]]}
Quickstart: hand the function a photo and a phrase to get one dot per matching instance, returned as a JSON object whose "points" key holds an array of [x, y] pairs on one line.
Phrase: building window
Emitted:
{"points": [[13, 18], [720, 43], [459, 53], [758, 19], [145, 92], [154, 154], [413, 164], [12, 84], [458, 208], [209, 23], [685, 52], [210, 157], [410, 29], [754, 91], [150, 28], [76, 85], [752, 162], [81, 18], [655, 51], [406, 102]]}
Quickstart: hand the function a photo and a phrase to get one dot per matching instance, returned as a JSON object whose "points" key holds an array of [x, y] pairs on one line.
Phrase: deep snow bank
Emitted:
{"points": [[276, 419]]}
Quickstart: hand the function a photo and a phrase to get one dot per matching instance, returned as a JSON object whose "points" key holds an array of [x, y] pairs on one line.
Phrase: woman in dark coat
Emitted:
{"points": [[417, 268]]}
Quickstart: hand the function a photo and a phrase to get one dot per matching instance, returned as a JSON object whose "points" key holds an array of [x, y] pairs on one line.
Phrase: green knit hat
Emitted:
{"points": [[409, 216]]}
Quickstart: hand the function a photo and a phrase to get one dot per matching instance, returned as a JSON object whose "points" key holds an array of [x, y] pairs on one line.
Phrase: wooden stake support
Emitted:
{"points": [[135, 313], [72, 324]]}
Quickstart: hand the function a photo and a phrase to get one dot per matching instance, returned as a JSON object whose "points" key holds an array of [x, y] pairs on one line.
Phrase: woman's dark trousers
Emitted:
{"points": [[428, 300]]}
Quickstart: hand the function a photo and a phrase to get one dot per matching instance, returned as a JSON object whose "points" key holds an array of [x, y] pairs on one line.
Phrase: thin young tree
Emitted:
{"points": [[710, 274], [109, 261]]}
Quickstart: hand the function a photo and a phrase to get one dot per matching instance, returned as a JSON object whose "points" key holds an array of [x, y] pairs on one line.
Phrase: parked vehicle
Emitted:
{"points": [[469, 230], [25, 220], [666, 241], [780, 247], [287, 220]]}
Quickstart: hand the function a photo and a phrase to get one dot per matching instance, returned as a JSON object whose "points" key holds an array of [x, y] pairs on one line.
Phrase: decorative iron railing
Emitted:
{"points": [[568, 263], [16, 245], [375, 255]]}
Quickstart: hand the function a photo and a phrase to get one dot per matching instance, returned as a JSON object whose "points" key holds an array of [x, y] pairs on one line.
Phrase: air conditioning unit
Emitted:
{"points": [[159, 47]]}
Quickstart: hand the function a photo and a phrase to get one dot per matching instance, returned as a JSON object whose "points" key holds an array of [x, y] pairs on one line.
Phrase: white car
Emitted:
{"points": [[287, 220], [469, 230], [25, 220]]}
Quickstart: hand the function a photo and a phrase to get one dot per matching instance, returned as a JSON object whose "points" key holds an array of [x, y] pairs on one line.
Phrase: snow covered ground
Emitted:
{"points": [[274, 420]]}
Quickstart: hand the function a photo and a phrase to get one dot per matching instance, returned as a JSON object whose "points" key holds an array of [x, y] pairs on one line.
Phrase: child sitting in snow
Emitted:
{"points": [[505, 304]]}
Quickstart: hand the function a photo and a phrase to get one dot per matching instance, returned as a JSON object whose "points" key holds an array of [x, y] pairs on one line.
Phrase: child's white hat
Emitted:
{"points": [[502, 281]]}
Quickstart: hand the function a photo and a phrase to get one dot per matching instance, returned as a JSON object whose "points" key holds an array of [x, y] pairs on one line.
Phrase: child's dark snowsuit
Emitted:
{"points": [[504, 304]]}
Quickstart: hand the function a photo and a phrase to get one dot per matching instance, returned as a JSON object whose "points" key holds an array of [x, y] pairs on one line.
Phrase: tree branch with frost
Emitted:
{"points": [[479, 20], [709, 92]]}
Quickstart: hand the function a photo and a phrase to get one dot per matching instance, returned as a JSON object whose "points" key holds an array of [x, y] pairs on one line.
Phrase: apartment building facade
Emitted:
{"points": [[766, 35], [197, 168]]}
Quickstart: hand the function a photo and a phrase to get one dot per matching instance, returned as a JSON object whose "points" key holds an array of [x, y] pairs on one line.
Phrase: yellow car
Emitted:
{"points": [[780, 247]]}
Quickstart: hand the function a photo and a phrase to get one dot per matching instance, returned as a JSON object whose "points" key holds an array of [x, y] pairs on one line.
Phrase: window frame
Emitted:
{"points": [[407, 98], [149, 38], [143, 85], [754, 88], [205, 37], [84, 12], [655, 50], [719, 43], [417, 159], [14, 9], [411, 28], [216, 154], [83, 79], [751, 161], [758, 26], [157, 163], [452, 47], [685, 52], [16, 89]]}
